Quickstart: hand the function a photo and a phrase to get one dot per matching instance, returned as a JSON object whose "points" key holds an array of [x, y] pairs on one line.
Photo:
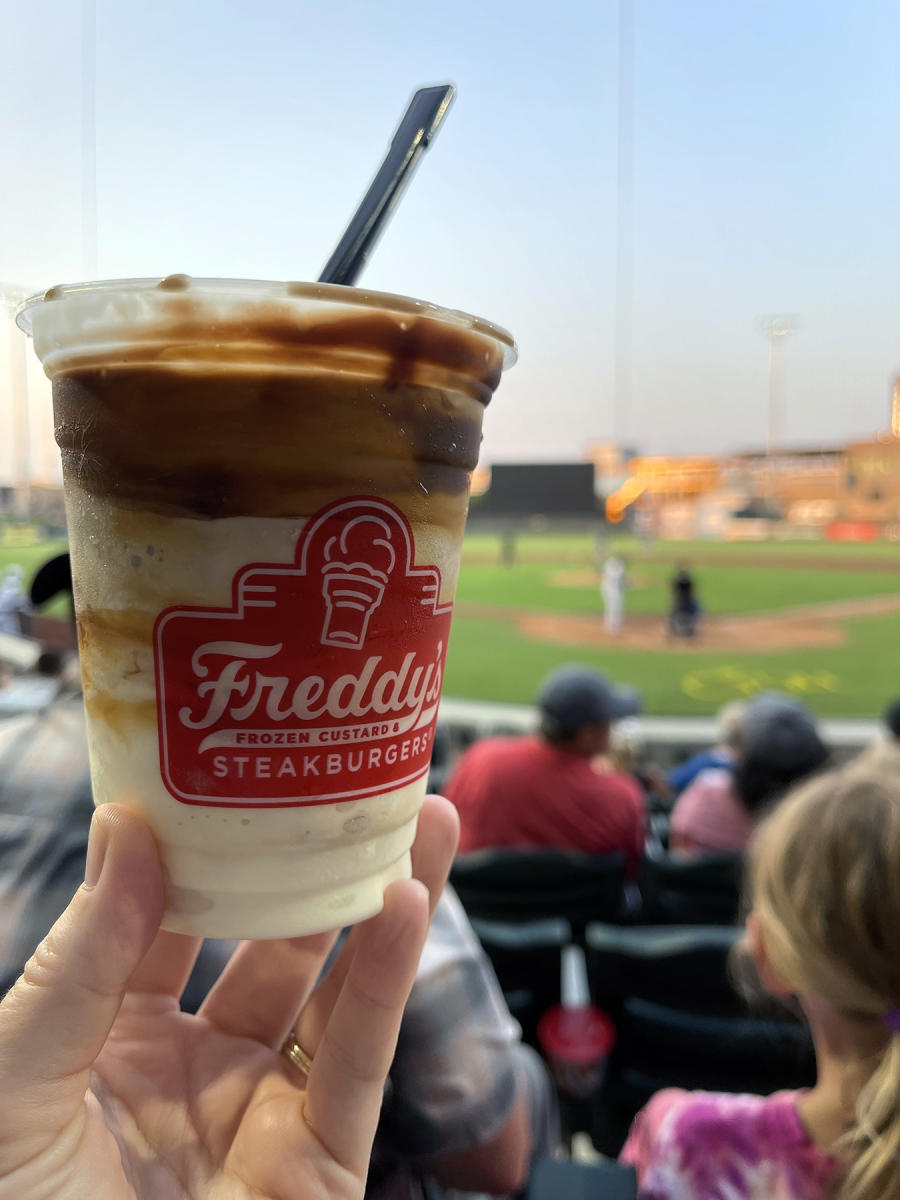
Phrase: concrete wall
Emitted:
{"points": [[665, 740]]}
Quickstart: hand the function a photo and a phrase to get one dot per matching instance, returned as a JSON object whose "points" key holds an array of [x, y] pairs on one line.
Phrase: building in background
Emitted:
{"points": [[826, 491], [847, 492], [870, 483]]}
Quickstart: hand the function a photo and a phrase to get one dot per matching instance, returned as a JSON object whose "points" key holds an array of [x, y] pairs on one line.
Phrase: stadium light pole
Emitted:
{"points": [[776, 328], [624, 221]]}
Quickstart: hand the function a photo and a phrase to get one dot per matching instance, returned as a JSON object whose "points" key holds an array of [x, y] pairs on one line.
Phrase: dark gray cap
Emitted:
{"points": [[575, 695], [781, 731]]}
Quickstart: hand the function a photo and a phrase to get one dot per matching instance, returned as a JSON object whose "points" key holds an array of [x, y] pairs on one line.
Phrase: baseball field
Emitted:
{"points": [[819, 620]]}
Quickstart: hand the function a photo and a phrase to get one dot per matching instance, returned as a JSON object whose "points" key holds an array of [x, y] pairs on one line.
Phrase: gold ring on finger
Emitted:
{"points": [[293, 1051]]}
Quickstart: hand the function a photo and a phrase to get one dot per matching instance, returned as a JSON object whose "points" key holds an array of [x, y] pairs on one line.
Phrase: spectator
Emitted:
{"points": [[46, 805], [542, 790], [13, 601], [625, 748], [825, 890], [721, 755], [779, 745], [468, 1106]]}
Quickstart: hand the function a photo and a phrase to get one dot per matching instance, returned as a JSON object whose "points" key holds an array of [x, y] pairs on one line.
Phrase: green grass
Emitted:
{"points": [[848, 552], [490, 660], [584, 546], [30, 558], [721, 589]]}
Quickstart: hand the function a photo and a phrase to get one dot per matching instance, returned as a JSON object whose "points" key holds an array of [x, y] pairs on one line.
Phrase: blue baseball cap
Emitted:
{"points": [[574, 695]]}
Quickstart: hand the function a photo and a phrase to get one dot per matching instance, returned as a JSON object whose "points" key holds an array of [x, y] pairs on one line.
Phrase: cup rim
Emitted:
{"points": [[285, 291]]}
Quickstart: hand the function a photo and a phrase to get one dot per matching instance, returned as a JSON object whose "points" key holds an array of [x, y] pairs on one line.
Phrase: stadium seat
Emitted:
{"points": [[660, 1047], [529, 885], [562, 1179], [680, 1024], [526, 959], [684, 967], [701, 889]]}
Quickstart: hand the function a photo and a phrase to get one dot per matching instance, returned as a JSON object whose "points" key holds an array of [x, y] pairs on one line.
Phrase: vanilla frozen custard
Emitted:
{"points": [[266, 488]]}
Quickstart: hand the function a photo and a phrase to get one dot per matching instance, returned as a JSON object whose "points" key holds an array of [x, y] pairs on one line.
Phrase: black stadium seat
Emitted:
{"points": [[680, 1024], [660, 1047], [526, 959], [682, 966], [702, 889], [562, 1179], [528, 885]]}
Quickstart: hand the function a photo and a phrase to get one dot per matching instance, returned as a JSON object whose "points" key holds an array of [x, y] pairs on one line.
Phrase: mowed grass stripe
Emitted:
{"points": [[583, 546], [722, 589]]}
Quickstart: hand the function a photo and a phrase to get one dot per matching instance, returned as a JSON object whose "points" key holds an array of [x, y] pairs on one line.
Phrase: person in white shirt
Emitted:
{"points": [[613, 588]]}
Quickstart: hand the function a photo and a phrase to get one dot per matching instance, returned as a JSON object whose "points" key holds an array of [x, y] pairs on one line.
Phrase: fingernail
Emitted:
{"points": [[98, 840]]}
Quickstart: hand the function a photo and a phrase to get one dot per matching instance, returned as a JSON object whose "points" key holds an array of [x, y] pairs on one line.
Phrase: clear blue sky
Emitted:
{"points": [[235, 139]]}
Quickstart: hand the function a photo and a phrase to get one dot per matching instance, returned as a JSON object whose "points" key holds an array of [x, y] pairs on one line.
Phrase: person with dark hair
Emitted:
{"points": [[541, 790], [779, 745]]}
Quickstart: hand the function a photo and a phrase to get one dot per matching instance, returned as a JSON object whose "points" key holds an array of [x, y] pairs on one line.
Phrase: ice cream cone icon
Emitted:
{"points": [[353, 586], [350, 599]]}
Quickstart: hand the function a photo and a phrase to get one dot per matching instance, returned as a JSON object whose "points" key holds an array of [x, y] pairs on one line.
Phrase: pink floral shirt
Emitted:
{"points": [[712, 1146]]}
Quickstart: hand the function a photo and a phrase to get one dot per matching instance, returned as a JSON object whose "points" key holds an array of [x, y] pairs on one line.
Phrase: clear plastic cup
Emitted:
{"points": [[266, 488]]}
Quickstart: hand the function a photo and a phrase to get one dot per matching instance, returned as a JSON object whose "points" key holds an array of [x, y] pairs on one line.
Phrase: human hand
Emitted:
{"points": [[108, 1090]]}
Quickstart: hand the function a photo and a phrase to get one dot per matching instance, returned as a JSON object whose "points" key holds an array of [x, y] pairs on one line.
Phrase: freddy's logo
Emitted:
{"points": [[319, 683], [354, 589]]}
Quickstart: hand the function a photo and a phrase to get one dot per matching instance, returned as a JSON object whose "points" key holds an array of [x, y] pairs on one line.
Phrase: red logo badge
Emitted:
{"points": [[320, 683]]}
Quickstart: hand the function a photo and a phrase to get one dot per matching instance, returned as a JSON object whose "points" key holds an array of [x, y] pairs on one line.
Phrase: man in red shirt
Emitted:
{"points": [[541, 791]]}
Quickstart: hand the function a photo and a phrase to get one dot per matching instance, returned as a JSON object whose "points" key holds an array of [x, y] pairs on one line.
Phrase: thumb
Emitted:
{"points": [[57, 1016]]}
